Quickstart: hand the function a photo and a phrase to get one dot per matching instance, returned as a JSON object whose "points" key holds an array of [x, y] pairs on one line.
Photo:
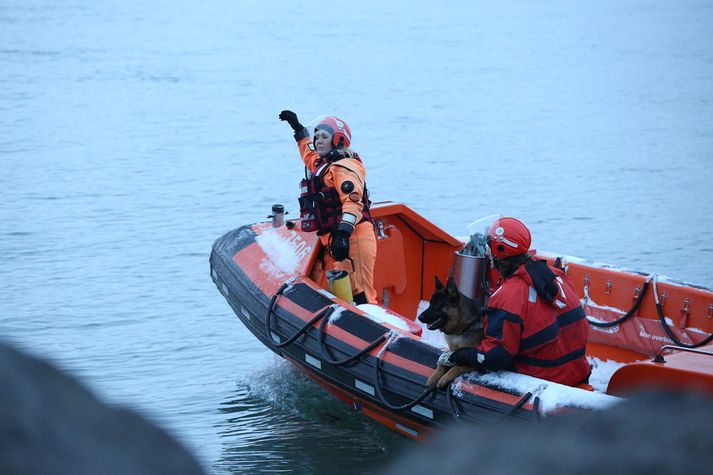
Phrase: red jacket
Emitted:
{"points": [[535, 325]]}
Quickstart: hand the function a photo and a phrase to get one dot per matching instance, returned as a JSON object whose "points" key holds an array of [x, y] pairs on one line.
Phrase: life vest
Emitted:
{"points": [[320, 205]]}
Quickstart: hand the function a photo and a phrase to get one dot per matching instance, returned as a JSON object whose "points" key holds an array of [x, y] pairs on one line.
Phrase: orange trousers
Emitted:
{"points": [[362, 251]]}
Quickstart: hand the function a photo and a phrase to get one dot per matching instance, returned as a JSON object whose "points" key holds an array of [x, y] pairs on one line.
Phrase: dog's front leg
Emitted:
{"points": [[436, 375], [452, 373]]}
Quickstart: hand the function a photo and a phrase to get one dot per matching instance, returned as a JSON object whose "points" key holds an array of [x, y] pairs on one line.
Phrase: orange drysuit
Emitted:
{"points": [[362, 241]]}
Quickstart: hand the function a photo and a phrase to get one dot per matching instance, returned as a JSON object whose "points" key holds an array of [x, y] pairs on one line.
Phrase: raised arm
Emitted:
{"points": [[309, 157]]}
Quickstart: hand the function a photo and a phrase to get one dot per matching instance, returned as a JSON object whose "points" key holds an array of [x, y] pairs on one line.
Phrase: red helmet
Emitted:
{"points": [[509, 237], [338, 129]]}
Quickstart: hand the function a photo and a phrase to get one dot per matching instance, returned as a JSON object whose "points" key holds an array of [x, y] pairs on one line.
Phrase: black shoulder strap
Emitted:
{"points": [[543, 279]]}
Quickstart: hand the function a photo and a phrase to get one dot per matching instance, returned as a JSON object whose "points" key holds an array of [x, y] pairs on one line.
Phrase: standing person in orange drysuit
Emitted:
{"points": [[337, 192]]}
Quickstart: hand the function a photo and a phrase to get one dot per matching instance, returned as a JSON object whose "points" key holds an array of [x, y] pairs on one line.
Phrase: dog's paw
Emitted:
{"points": [[444, 381], [452, 374], [436, 375]]}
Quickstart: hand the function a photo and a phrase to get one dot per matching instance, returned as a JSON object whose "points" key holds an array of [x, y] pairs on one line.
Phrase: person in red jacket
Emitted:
{"points": [[338, 197], [534, 323]]}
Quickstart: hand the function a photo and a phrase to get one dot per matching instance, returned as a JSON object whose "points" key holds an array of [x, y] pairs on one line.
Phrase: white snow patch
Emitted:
{"points": [[552, 395], [433, 337], [269, 268], [381, 315], [327, 293], [281, 254], [591, 303], [594, 319], [602, 371], [608, 330], [587, 262], [696, 330]]}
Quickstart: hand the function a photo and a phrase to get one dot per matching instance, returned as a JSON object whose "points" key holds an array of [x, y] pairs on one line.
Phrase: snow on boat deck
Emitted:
{"points": [[552, 395], [381, 315]]}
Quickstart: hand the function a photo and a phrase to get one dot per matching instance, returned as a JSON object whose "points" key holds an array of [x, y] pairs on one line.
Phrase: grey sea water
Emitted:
{"points": [[134, 133]]}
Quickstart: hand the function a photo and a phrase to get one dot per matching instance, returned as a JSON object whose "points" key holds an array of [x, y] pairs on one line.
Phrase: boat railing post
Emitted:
{"points": [[278, 215]]}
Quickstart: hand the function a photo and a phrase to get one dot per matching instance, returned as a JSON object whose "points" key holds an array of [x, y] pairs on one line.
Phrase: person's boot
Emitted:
{"points": [[360, 298]]}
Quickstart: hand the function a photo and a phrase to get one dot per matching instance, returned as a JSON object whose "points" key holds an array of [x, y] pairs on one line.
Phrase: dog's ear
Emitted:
{"points": [[451, 288], [439, 284]]}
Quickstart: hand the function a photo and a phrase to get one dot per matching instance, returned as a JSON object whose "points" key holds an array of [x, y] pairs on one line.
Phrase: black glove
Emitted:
{"points": [[291, 119], [340, 245], [465, 357]]}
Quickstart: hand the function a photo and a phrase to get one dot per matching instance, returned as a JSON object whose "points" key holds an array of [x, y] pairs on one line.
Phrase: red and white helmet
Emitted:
{"points": [[509, 237], [338, 129]]}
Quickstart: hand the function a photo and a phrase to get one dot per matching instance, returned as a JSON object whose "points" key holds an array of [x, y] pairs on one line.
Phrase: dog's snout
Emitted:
{"points": [[426, 316]]}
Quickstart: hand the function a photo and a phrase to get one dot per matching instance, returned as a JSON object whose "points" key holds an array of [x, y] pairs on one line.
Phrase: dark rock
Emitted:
{"points": [[648, 434], [50, 424]]}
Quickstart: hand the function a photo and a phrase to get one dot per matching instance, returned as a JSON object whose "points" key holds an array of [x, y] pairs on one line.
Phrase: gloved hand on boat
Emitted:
{"points": [[340, 245], [291, 119], [467, 357]]}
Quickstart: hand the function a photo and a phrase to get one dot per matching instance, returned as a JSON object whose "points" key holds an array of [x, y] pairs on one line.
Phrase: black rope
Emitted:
{"points": [[673, 338], [662, 317], [628, 314], [382, 399], [516, 407], [328, 358], [536, 407], [457, 414], [268, 331], [452, 404], [324, 313]]}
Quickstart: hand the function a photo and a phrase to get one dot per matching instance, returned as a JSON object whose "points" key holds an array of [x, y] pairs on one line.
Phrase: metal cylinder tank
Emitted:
{"points": [[469, 273]]}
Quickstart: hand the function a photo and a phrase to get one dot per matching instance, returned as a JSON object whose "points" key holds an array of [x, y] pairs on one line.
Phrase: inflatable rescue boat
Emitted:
{"points": [[645, 331]]}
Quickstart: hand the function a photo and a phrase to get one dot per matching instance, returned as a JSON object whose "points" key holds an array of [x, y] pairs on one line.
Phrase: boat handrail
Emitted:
{"points": [[651, 279], [323, 315], [666, 328], [660, 359], [628, 314], [349, 359], [270, 308], [380, 394]]}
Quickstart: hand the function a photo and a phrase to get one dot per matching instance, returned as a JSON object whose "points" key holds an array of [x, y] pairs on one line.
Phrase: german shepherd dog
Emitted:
{"points": [[462, 323]]}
